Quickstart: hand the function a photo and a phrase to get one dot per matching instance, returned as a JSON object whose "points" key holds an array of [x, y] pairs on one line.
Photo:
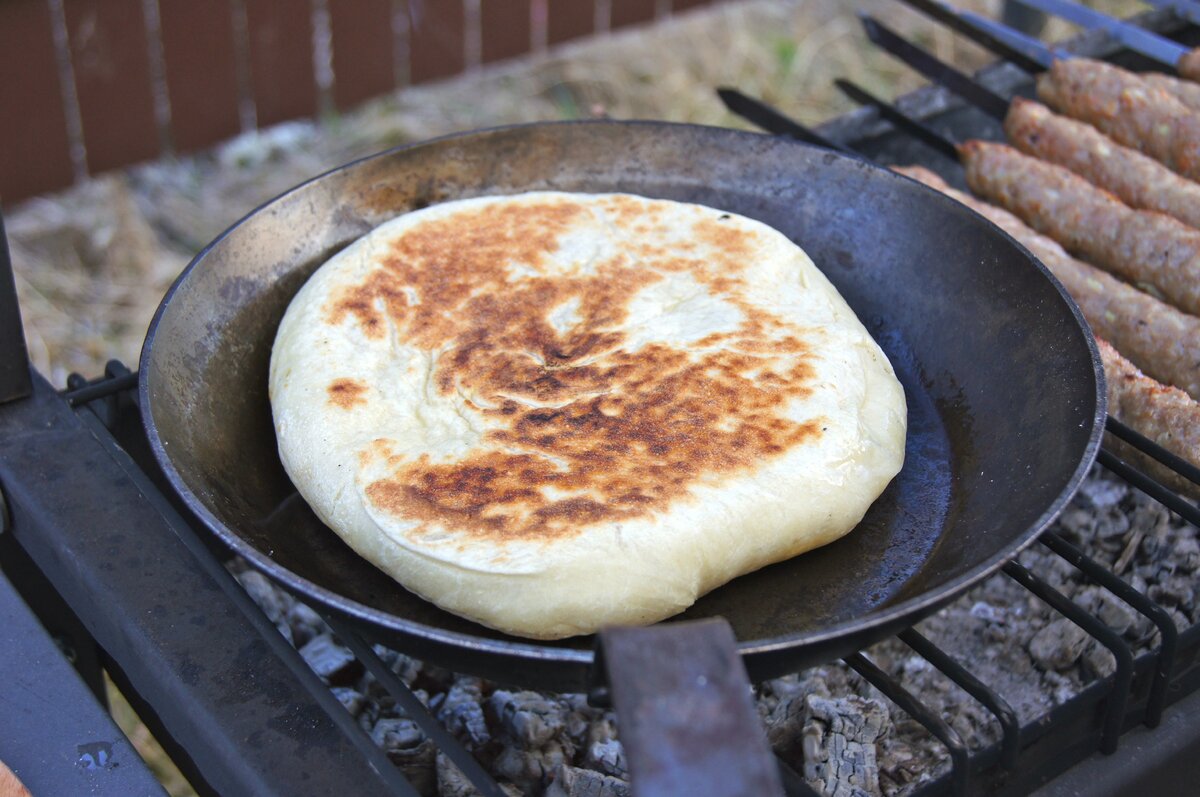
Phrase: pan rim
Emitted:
{"points": [[876, 620]]}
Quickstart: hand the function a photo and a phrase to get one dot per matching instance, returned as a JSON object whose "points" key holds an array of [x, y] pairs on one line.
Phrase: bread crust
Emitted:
{"points": [[553, 412]]}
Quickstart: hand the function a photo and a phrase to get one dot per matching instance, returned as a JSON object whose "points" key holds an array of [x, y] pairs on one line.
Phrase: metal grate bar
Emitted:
{"points": [[82, 392], [923, 133], [960, 754], [1114, 713], [773, 120], [1148, 446], [1157, 614], [1150, 487], [962, 22], [415, 710], [991, 700]]}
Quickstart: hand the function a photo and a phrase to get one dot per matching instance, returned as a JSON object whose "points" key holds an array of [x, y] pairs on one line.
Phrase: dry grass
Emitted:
{"points": [[92, 263]]}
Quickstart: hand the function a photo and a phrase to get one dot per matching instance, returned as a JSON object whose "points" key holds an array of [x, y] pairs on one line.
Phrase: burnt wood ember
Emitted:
{"points": [[826, 721]]}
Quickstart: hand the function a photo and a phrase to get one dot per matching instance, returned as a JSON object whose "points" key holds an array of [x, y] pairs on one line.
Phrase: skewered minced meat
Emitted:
{"points": [[1144, 247], [1161, 340], [1136, 179], [1164, 414], [1126, 108]]}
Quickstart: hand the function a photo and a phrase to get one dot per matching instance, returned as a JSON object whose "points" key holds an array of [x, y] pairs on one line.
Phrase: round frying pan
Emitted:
{"points": [[1001, 376]]}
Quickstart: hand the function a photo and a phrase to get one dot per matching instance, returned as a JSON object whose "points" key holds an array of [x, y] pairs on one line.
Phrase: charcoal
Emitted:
{"points": [[1058, 645], [1111, 526], [785, 725], [410, 751], [985, 611], [1062, 687], [603, 752], [839, 744], [530, 768], [1108, 608], [460, 711], [451, 782], [529, 718], [332, 661], [432, 678], [1187, 554], [397, 733], [827, 722], [573, 782], [580, 717], [1097, 661], [1132, 544], [1104, 492], [351, 699]]}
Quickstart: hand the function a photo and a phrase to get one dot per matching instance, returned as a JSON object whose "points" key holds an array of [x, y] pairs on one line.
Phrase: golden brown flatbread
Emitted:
{"points": [[551, 412]]}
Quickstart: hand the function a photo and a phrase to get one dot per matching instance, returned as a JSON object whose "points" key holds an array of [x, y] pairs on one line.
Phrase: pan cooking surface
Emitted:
{"points": [[1001, 381]]}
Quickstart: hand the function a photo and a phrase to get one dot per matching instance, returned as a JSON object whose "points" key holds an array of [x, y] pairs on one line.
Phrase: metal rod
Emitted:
{"points": [[963, 22], [960, 757], [922, 132], [935, 69], [1010, 725], [1141, 604], [1006, 42], [1147, 446], [1150, 487], [100, 389], [774, 121], [415, 710], [1118, 697], [1155, 47]]}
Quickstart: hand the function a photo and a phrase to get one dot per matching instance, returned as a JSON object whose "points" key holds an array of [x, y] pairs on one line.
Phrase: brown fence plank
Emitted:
{"points": [[35, 153], [111, 62], [570, 19], [282, 79], [506, 28], [363, 60], [631, 12], [436, 32], [200, 58], [683, 5]]}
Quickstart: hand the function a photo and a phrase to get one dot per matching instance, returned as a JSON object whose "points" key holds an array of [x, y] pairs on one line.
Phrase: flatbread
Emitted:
{"points": [[553, 412]]}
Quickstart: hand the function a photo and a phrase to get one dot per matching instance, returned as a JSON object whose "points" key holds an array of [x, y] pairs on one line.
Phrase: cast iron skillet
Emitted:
{"points": [[1002, 379]]}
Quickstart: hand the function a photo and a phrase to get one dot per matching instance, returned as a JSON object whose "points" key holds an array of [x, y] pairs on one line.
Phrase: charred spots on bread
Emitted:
{"points": [[583, 422], [346, 393]]}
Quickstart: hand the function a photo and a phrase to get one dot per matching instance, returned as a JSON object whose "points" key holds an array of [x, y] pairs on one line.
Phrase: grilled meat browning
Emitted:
{"points": [[1164, 414], [1162, 341], [1144, 247], [1136, 179], [1185, 91], [1126, 108]]}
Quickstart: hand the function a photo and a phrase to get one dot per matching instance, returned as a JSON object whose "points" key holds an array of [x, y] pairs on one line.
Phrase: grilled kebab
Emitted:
{"points": [[1164, 414], [1161, 340], [1141, 326], [1136, 179], [1127, 108], [1146, 248]]}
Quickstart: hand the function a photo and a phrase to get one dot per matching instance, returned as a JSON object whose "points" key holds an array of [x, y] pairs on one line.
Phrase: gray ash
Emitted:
{"points": [[826, 722]]}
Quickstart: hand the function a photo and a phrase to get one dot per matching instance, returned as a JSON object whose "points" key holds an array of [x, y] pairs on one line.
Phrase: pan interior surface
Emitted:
{"points": [[1000, 376]]}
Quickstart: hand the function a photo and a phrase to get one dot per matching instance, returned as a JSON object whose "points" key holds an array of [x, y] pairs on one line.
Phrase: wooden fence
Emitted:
{"points": [[91, 85]]}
